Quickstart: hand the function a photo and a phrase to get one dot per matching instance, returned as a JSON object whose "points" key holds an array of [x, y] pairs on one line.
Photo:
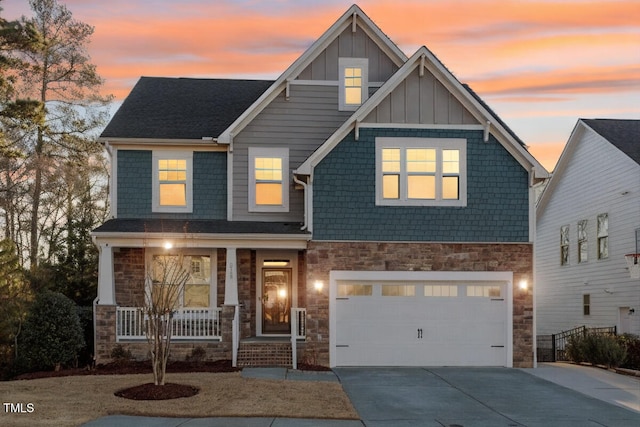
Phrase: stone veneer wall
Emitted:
{"points": [[129, 277], [322, 257]]}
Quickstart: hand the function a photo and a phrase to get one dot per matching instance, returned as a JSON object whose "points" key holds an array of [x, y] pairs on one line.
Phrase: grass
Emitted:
{"points": [[74, 400]]}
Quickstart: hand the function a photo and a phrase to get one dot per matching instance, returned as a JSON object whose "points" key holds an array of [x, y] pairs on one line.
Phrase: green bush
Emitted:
{"points": [[597, 349], [632, 344], [52, 333]]}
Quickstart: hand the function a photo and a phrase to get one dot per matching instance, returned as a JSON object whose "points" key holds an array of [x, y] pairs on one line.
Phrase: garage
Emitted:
{"points": [[420, 319]]}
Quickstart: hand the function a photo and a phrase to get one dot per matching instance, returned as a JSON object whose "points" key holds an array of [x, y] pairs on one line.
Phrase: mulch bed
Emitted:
{"points": [[134, 367], [151, 391]]}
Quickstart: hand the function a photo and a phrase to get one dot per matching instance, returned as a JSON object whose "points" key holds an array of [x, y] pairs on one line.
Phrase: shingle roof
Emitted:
{"points": [[624, 134], [198, 227], [180, 108]]}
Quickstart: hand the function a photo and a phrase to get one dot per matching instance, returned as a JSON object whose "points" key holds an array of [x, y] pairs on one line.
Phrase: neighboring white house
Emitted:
{"points": [[588, 218]]}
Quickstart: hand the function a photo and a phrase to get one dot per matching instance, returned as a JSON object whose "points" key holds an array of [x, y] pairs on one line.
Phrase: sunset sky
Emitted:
{"points": [[540, 64]]}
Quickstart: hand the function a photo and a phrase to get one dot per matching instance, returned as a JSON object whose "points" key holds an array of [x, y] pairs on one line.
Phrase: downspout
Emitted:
{"points": [[306, 201], [95, 304]]}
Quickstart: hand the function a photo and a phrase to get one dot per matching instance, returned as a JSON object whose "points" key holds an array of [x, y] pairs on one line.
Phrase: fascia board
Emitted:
{"points": [[203, 240], [307, 166], [455, 87], [576, 135], [305, 59], [483, 115], [118, 142]]}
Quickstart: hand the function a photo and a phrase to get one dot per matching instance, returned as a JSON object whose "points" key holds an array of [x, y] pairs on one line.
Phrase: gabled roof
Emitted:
{"points": [[353, 16], [624, 134], [482, 113], [179, 108]]}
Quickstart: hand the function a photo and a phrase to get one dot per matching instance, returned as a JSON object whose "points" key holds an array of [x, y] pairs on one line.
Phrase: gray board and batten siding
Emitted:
{"points": [[305, 120]]}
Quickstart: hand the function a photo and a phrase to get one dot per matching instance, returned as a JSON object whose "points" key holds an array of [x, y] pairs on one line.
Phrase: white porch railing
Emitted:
{"points": [[298, 331], [187, 323]]}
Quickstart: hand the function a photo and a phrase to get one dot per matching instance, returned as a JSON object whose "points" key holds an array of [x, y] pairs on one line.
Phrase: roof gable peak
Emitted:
{"points": [[354, 17]]}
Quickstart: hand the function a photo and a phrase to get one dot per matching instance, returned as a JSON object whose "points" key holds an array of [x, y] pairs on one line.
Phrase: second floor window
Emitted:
{"points": [[172, 177], [172, 180], [421, 172], [583, 247], [603, 236], [268, 183], [564, 245]]}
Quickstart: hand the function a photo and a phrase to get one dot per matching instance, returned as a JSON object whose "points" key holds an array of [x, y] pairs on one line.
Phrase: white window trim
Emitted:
{"points": [[279, 152], [343, 63], [180, 155], [439, 144], [213, 284]]}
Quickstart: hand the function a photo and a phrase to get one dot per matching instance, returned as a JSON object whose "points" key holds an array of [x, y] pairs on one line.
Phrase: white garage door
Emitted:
{"points": [[420, 323]]}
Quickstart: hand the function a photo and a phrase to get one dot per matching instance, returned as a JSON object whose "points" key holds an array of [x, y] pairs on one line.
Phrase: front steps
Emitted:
{"points": [[261, 353]]}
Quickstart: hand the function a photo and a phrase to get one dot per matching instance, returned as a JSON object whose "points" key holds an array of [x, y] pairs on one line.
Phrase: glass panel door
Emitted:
{"points": [[276, 300]]}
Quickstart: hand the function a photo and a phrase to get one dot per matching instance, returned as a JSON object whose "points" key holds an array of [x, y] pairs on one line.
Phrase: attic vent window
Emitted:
{"points": [[354, 83]]}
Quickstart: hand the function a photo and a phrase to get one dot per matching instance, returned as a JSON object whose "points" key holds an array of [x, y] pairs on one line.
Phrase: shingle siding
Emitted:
{"points": [[135, 181], [344, 195]]}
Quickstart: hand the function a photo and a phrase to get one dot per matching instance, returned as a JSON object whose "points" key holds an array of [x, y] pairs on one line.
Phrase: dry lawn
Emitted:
{"points": [[71, 401]]}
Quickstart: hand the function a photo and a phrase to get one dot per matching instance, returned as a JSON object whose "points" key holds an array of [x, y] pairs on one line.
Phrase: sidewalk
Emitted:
{"points": [[610, 387]]}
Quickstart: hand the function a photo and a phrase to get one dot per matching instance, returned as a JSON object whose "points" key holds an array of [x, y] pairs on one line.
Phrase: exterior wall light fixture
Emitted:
{"points": [[318, 285]]}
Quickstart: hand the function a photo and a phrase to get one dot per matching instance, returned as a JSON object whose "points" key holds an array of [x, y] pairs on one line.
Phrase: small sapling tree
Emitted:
{"points": [[167, 279]]}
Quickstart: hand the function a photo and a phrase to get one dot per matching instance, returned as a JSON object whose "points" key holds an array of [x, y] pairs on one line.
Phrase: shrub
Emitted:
{"points": [[119, 354], [197, 356], [597, 349], [632, 344], [52, 333]]}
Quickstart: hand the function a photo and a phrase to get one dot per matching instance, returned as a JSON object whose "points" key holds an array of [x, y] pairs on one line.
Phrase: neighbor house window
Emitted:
{"points": [[603, 236], [268, 179], [183, 280], [586, 304], [421, 172], [564, 245], [583, 247], [172, 181], [354, 83]]}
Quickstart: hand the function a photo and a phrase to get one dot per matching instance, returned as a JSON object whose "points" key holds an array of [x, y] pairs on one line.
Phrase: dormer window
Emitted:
{"points": [[354, 83]]}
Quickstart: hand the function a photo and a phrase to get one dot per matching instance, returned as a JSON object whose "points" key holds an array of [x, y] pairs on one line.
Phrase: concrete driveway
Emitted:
{"points": [[472, 397]]}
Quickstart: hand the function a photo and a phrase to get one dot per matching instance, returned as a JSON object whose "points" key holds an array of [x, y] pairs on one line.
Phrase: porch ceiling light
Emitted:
{"points": [[167, 245], [318, 285]]}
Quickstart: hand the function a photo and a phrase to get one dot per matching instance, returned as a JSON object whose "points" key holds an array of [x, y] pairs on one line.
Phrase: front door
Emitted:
{"points": [[276, 300]]}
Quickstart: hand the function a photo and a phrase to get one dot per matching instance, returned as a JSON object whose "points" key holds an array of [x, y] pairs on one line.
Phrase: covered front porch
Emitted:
{"points": [[240, 287]]}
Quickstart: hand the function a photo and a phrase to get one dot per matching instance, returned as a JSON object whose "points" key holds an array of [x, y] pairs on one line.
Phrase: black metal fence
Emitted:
{"points": [[552, 348]]}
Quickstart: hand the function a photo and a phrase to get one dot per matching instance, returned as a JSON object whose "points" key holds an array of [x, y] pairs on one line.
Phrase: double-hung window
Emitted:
{"points": [[181, 281], [421, 172], [354, 83], [172, 181], [564, 245], [268, 179], [603, 236], [583, 244]]}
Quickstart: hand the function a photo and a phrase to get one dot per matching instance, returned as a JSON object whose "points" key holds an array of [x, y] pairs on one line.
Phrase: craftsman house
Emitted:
{"points": [[588, 230], [365, 208]]}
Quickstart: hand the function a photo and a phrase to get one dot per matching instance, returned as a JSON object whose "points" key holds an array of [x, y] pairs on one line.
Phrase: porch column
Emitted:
{"points": [[231, 300], [106, 288], [231, 280]]}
